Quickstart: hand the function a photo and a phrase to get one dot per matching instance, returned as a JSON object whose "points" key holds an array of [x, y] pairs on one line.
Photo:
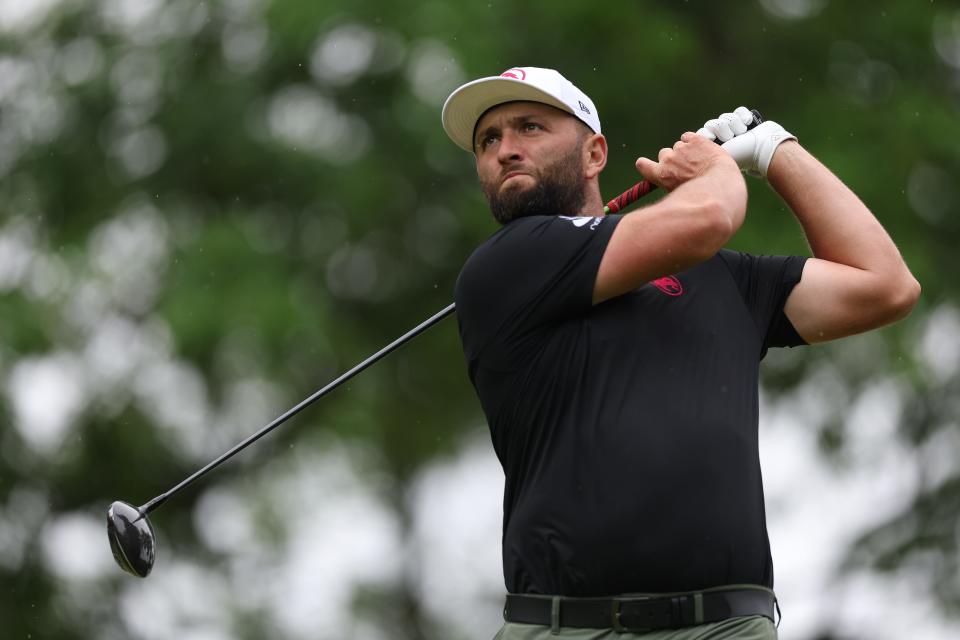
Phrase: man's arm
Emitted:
{"points": [[705, 207], [857, 280]]}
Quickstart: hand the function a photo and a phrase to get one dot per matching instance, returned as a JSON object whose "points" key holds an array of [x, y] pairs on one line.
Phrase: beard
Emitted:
{"points": [[559, 190]]}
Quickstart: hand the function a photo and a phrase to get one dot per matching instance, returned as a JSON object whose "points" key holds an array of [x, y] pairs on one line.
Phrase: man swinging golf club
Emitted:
{"points": [[616, 357]]}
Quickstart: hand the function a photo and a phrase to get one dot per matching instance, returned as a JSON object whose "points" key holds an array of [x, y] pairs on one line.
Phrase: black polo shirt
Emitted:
{"points": [[627, 431]]}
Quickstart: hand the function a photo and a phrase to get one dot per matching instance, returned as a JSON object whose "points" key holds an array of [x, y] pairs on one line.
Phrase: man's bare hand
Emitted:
{"points": [[690, 157]]}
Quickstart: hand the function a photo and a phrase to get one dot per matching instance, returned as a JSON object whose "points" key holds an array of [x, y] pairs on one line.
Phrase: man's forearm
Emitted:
{"points": [[838, 225], [682, 229], [699, 216]]}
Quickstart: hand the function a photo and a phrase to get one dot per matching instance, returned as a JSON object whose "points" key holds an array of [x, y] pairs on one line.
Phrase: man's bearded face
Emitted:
{"points": [[559, 190]]}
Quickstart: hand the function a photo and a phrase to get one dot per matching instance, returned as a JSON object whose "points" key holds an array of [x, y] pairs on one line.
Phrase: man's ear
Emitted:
{"points": [[594, 155]]}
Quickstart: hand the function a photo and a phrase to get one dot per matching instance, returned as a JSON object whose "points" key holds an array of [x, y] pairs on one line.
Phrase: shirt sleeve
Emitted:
{"points": [[533, 273], [765, 282]]}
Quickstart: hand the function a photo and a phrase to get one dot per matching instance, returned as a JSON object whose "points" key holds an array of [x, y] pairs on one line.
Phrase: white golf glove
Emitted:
{"points": [[751, 148]]}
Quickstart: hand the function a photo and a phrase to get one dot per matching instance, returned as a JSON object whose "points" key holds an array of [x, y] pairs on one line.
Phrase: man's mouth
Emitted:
{"points": [[512, 174]]}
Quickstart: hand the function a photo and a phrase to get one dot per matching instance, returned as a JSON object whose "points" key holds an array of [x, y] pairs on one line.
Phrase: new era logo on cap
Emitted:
{"points": [[465, 105]]}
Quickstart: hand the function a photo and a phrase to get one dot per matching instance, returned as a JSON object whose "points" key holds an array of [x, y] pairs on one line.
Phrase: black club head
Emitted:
{"points": [[131, 539]]}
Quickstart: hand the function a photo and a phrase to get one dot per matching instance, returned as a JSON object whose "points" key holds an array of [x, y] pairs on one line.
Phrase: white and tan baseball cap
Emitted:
{"points": [[465, 105]]}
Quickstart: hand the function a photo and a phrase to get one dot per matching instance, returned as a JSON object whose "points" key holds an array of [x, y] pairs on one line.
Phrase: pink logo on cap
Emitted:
{"points": [[516, 74]]}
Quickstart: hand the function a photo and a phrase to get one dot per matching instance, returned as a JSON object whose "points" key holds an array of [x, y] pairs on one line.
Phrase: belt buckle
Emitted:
{"points": [[672, 617], [615, 623]]}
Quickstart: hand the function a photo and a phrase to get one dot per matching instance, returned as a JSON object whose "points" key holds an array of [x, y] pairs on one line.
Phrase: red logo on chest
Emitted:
{"points": [[670, 285]]}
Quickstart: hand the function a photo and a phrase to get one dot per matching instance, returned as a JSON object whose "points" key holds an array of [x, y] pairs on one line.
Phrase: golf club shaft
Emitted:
{"points": [[420, 328], [644, 187]]}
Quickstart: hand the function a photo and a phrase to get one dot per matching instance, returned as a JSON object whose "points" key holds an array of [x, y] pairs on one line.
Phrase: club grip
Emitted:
{"points": [[644, 187]]}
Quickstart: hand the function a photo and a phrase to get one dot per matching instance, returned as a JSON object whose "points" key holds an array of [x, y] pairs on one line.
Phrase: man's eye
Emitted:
{"points": [[531, 126], [487, 141]]}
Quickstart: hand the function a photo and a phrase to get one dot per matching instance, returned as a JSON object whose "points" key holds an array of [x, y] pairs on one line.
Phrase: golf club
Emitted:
{"points": [[132, 539], [131, 535]]}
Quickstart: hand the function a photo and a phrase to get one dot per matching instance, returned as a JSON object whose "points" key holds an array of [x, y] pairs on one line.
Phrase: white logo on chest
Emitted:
{"points": [[582, 221]]}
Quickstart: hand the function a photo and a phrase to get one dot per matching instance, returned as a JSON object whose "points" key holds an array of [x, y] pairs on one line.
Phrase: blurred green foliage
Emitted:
{"points": [[265, 189]]}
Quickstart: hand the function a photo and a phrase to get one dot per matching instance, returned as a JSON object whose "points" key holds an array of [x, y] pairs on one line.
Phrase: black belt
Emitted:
{"points": [[638, 613]]}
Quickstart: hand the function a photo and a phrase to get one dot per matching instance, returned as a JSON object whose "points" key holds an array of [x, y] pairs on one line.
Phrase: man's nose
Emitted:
{"points": [[509, 149]]}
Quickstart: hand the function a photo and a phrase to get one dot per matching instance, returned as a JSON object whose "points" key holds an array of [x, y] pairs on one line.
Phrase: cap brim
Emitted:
{"points": [[465, 105]]}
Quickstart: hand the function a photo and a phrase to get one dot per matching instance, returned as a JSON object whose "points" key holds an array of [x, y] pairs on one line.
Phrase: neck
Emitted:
{"points": [[593, 203]]}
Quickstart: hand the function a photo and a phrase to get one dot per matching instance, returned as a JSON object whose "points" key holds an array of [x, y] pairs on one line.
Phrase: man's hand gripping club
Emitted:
{"points": [[752, 148], [690, 157]]}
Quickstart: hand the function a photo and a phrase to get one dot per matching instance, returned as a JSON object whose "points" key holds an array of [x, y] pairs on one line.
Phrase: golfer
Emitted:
{"points": [[616, 357]]}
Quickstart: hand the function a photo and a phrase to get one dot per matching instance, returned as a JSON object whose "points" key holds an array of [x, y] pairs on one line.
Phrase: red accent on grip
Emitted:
{"points": [[630, 196]]}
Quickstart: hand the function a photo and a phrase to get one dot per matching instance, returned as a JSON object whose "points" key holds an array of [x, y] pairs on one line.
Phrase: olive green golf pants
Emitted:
{"points": [[745, 628]]}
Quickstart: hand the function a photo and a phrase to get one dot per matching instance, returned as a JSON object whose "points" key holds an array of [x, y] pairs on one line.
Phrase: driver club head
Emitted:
{"points": [[131, 539]]}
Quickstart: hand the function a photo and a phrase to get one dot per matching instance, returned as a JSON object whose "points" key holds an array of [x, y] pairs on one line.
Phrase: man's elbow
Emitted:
{"points": [[901, 297], [905, 297], [717, 226]]}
